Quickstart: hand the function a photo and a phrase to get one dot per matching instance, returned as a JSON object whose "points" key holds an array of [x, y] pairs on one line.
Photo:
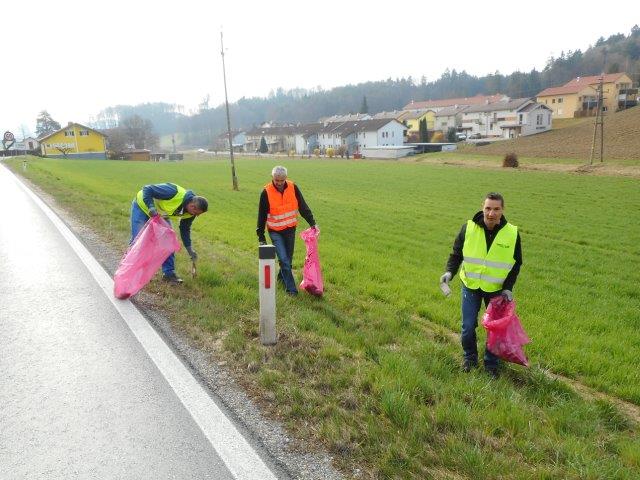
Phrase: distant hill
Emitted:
{"points": [[616, 53], [621, 136]]}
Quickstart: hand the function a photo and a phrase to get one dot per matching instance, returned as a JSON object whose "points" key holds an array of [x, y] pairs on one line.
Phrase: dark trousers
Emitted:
{"points": [[471, 303]]}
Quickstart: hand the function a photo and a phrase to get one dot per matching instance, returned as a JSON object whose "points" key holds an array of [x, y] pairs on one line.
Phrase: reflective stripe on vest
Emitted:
{"points": [[487, 270], [283, 207], [165, 207]]}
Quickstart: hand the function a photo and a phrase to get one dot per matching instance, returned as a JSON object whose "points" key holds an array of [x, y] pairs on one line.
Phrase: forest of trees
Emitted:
{"points": [[617, 53]]}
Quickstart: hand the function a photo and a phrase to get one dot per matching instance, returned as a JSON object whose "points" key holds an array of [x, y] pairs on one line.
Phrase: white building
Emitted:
{"points": [[449, 117], [361, 134], [506, 119]]}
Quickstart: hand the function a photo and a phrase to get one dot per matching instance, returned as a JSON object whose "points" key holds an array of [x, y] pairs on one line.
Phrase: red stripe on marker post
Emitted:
{"points": [[267, 276]]}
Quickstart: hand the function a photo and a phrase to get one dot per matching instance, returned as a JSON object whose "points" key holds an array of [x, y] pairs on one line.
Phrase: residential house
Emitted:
{"points": [[507, 119], [74, 140], [579, 97], [306, 138], [437, 105], [360, 134], [412, 119], [279, 138], [449, 117], [238, 139]]}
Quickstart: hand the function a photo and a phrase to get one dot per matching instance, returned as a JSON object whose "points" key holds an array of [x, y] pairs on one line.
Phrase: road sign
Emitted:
{"points": [[8, 140]]}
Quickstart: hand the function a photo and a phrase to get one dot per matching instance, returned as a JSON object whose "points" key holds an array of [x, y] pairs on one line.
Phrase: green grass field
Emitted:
{"points": [[371, 370]]}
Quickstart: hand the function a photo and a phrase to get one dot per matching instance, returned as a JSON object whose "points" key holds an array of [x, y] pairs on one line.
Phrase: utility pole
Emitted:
{"points": [[599, 122], [226, 101]]}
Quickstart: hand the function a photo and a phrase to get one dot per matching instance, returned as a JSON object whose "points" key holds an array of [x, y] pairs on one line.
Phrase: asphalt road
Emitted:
{"points": [[85, 391]]}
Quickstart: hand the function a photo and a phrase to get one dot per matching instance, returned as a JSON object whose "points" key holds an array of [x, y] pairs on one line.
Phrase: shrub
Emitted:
{"points": [[437, 137], [316, 152], [330, 152], [341, 150], [510, 160]]}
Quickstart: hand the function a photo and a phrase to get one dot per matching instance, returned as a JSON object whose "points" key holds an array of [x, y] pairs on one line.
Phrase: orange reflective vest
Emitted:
{"points": [[283, 207]]}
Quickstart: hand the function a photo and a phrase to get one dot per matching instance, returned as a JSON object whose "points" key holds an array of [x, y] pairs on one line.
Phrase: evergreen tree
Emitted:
{"points": [[45, 124], [263, 146], [364, 108], [422, 129]]}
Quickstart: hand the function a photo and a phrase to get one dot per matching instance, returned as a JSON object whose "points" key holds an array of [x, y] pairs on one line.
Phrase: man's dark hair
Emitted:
{"points": [[201, 203], [495, 196]]}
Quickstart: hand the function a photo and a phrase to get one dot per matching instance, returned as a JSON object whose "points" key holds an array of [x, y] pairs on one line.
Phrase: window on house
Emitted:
{"points": [[392, 134], [69, 133], [560, 100], [539, 119], [520, 117], [553, 100], [84, 133]]}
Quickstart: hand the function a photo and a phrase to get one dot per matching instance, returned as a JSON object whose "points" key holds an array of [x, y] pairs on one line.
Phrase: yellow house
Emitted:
{"points": [[412, 120], [579, 96], [74, 141]]}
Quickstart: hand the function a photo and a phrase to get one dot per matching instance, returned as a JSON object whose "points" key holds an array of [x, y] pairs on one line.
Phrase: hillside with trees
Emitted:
{"points": [[616, 53]]}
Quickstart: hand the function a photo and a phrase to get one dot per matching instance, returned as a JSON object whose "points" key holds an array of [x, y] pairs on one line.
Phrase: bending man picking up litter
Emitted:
{"points": [[170, 201], [489, 253], [280, 202]]}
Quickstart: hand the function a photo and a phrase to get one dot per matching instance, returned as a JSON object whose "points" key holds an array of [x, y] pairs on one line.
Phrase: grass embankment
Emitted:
{"points": [[370, 370], [574, 138]]}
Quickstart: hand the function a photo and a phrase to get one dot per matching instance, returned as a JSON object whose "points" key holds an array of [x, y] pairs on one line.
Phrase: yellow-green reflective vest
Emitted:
{"points": [[487, 270], [168, 207]]}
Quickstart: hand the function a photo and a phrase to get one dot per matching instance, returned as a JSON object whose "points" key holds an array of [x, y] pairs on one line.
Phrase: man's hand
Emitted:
{"points": [[507, 295], [446, 277], [192, 253], [153, 212], [262, 242], [316, 227]]}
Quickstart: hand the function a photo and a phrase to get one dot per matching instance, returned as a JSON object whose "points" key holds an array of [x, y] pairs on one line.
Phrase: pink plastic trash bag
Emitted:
{"points": [[312, 275], [151, 247], [505, 335]]}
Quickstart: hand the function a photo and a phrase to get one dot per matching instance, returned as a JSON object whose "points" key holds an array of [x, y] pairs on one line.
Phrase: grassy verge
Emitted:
{"points": [[370, 370]]}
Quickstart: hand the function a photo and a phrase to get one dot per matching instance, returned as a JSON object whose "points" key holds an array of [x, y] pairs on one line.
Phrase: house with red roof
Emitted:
{"points": [[579, 97]]}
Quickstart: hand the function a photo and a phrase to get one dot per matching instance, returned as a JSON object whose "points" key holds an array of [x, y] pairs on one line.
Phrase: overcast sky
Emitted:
{"points": [[74, 58]]}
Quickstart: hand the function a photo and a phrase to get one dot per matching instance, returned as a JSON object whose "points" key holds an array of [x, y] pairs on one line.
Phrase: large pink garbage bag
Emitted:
{"points": [[153, 245], [312, 275], [505, 335]]}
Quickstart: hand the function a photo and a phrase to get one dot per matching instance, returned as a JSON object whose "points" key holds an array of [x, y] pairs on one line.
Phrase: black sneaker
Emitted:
{"points": [[492, 372], [469, 365], [171, 278]]}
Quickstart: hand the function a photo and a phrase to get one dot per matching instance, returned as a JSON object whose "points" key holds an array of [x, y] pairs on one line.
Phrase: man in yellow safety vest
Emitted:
{"points": [[280, 203], [170, 201], [489, 255]]}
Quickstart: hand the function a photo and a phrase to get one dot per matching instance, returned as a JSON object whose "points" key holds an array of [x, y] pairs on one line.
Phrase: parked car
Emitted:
{"points": [[461, 136], [475, 135]]}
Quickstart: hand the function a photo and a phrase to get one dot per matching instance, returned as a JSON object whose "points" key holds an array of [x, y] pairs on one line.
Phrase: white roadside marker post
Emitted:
{"points": [[267, 280]]}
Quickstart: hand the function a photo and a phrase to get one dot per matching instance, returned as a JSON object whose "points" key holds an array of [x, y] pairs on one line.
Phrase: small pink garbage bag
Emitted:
{"points": [[312, 275], [153, 245], [505, 335]]}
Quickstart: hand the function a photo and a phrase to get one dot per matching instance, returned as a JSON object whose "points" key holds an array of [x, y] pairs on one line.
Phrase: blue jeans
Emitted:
{"points": [[138, 219], [471, 302], [284, 241]]}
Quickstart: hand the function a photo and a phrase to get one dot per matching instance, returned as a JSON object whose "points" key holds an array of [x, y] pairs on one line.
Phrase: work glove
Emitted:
{"points": [[153, 212], [507, 295], [192, 253], [446, 277]]}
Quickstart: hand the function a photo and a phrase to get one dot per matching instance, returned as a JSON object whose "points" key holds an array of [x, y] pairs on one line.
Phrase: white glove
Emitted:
{"points": [[507, 295], [446, 277]]}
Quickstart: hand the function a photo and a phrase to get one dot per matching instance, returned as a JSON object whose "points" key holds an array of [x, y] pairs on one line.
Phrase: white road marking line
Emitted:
{"points": [[239, 457]]}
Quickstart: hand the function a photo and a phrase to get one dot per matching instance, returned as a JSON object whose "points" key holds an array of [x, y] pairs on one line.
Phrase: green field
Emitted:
{"points": [[371, 370]]}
